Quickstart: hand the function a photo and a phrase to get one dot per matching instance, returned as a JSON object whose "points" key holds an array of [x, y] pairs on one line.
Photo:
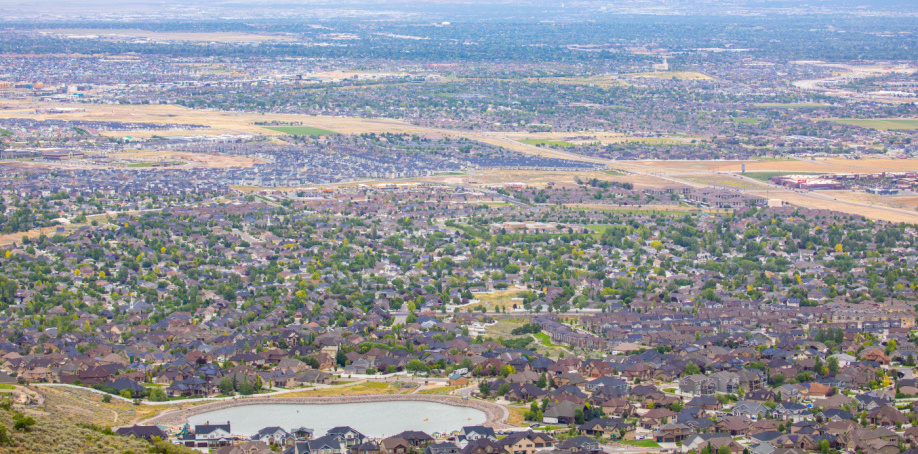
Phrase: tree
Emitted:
{"points": [[578, 415], [691, 369], [503, 389], [833, 365], [891, 346], [341, 358], [483, 389], [157, 395], [23, 423], [534, 413], [125, 393], [777, 379], [542, 382], [819, 367], [246, 388], [416, 366]]}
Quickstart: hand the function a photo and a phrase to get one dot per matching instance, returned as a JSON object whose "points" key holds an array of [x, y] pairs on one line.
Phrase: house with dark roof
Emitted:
{"points": [[144, 432]]}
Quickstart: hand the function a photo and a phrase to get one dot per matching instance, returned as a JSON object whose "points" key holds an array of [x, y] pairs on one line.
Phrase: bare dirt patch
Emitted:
{"points": [[209, 160]]}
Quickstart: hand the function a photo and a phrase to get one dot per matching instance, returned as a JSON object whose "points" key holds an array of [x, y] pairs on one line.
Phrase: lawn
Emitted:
{"points": [[746, 120], [884, 124], [767, 176], [639, 443], [302, 130], [545, 340]]}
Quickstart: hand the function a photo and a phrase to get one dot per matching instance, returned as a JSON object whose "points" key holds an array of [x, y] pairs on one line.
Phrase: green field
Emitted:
{"points": [[639, 443], [614, 173], [767, 176], [884, 124], [746, 120], [302, 130], [549, 142]]}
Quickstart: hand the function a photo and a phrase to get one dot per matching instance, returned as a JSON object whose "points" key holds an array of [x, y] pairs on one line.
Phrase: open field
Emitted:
{"points": [[499, 298], [516, 417], [87, 406], [301, 130], [146, 134], [132, 34], [681, 75], [538, 179], [746, 120], [767, 176], [827, 201], [884, 124], [723, 181], [209, 160], [235, 122], [548, 142], [599, 81]]}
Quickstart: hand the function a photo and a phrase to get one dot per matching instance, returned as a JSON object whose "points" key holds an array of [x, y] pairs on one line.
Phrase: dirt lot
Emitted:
{"points": [[214, 161]]}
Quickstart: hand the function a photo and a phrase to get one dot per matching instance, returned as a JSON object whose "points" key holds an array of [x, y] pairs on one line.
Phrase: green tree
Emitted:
{"points": [[246, 388], [483, 389], [158, 395], [416, 366], [23, 423], [691, 369], [833, 365], [226, 385]]}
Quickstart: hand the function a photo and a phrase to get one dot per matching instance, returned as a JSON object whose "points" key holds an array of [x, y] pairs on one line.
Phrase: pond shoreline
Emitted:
{"points": [[496, 414]]}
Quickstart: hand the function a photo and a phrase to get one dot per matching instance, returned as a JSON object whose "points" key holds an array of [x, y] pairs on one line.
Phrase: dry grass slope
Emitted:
{"points": [[52, 434]]}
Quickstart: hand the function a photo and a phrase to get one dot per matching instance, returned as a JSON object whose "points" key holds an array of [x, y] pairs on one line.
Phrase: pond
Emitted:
{"points": [[373, 419]]}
